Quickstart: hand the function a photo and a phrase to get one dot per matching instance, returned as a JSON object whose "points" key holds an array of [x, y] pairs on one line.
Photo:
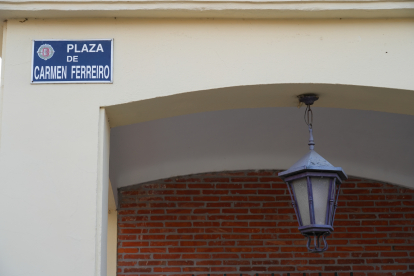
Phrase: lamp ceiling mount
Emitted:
{"points": [[308, 99]]}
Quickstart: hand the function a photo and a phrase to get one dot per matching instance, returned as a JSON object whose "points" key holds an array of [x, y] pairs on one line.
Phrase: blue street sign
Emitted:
{"points": [[72, 61]]}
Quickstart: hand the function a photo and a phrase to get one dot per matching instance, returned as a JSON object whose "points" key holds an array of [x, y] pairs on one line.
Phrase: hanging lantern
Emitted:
{"points": [[314, 186]]}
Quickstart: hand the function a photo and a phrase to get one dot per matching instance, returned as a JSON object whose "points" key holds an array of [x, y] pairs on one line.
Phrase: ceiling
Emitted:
{"points": [[369, 144]]}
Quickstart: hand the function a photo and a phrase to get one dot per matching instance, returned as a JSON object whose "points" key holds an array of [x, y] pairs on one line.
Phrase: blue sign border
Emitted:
{"points": [[66, 82]]}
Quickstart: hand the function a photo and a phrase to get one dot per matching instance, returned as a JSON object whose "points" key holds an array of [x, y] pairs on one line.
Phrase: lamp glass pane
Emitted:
{"points": [[301, 191], [320, 188]]}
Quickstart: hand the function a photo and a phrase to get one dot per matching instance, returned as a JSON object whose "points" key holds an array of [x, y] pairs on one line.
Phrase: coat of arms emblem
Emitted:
{"points": [[45, 51]]}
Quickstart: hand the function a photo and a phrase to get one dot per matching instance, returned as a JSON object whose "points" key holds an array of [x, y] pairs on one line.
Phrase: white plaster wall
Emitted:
{"points": [[50, 155], [373, 145], [156, 58], [112, 237]]}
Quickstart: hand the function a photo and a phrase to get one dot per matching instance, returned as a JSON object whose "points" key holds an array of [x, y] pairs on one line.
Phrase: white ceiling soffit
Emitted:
{"points": [[369, 144], [206, 9]]}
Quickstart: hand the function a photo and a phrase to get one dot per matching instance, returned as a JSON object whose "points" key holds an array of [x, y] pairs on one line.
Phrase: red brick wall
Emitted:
{"points": [[243, 222]]}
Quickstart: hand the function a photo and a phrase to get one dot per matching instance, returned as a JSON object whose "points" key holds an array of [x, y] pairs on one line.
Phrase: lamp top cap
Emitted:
{"points": [[308, 99], [312, 161]]}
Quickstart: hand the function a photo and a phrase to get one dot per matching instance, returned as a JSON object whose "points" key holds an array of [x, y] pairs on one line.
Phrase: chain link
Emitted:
{"points": [[308, 117]]}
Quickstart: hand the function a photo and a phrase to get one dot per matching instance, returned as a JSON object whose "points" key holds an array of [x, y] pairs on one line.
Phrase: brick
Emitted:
{"points": [[201, 186], [137, 256], [163, 217], [271, 192], [193, 243], [235, 262], [138, 244], [216, 179], [180, 250], [136, 269], [254, 268], [271, 179], [122, 263], [261, 198], [127, 250], [355, 191], [235, 237], [409, 247], [207, 237], [195, 256], [264, 211], [281, 268], [161, 205], [294, 249], [253, 255], [393, 267], [351, 261], [378, 248], [174, 263], [178, 224], [337, 268], [394, 254], [211, 249], [206, 198], [369, 185], [221, 217], [257, 186], [225, 256], [243, 192], [134, 218], [234, 198], [215, 262], [167, 269], [175, 186], [281, 255], [166, 256], [238, 249], [235, 211], [153, 250], [276, 204], [316, 262], [244, 179], [250, 217], [178, 198], [245, 204], [216, 192], [349, 248], [178, 211], [380, 261], [364, 241], [262, 224], [363, 267], [402, 209], [164, 243], [127, 237], [221, 243], [133, 205], [266, 249], [187, 217], [216, 205], [373, 236], [151, 263], [309, 268], [205, 223], [223, 269]]}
